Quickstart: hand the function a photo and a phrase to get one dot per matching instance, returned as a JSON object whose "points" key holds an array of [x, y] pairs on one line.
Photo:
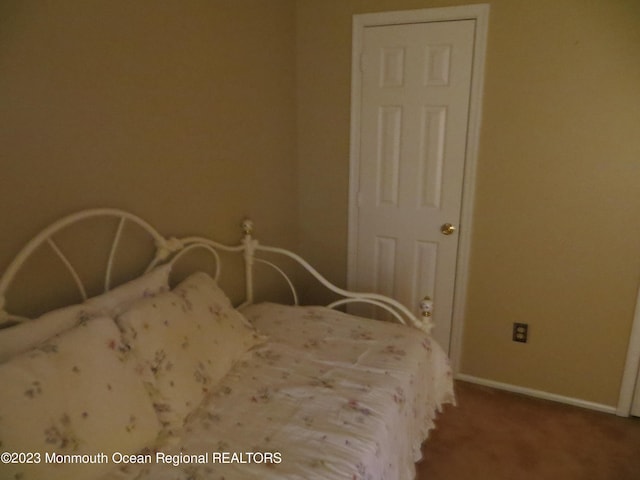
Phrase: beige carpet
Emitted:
{"points": [[496, 435]]}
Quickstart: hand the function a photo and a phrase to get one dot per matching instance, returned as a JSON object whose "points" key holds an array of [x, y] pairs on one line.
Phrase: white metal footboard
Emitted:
{"points": [[397, 310]]}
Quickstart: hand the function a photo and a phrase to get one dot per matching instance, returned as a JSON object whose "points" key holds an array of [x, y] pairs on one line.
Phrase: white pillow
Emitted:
{"points": [[187, 339], [78, 393], [121, 297], [30, 333]]}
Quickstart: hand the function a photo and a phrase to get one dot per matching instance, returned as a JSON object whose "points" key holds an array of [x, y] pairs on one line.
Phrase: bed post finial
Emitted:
{"points": [[426, 307], [247, 226]]}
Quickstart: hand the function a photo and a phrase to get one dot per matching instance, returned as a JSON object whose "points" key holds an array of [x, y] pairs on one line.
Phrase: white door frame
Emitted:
{"points": [[479, 13], [631, 368]]}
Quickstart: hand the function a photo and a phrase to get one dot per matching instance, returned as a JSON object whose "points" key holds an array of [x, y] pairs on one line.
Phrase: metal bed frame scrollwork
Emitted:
{"points": [[170, 249]]}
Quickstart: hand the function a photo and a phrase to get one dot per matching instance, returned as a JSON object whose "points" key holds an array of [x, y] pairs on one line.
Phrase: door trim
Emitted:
{"points": [[632, 367], [479, 13]]}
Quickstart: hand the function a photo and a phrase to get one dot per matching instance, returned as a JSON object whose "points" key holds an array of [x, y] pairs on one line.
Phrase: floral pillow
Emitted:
{"points": [[78, 393], [28, 333], [187, 340]]}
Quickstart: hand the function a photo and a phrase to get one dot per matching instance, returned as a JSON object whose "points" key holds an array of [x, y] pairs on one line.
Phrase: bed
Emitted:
{"points": [[155, 379]]}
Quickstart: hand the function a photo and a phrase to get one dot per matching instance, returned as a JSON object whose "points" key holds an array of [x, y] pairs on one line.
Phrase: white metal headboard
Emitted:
{"points": [[170, 249]]}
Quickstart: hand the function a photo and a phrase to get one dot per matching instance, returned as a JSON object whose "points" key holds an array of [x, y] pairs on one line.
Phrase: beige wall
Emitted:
{"points": [[557, 213], [182, 112]]}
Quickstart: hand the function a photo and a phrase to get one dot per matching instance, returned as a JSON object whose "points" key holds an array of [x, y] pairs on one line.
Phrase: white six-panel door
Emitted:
{"points": [[416, 82]]}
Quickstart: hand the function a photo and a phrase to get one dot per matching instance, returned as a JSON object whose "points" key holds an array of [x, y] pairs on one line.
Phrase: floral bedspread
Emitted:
{"points": [[329, 396]]}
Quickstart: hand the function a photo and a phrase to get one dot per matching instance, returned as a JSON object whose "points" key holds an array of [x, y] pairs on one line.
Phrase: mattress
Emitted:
{"points": [[328, 396]]}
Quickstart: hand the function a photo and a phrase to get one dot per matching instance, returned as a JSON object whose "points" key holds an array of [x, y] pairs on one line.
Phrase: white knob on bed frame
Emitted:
{"points": [[247, 226], [426, 307]]}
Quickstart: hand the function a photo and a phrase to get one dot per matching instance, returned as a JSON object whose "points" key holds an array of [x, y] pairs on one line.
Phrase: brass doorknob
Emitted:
{"points": [[447, 229]]}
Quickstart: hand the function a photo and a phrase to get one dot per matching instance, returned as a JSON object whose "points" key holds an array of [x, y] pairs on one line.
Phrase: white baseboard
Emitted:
{"points": [[576, 402]]}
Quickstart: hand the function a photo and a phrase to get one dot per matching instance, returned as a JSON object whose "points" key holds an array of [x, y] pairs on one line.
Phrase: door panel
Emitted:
{"points": [[415, 88]]}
